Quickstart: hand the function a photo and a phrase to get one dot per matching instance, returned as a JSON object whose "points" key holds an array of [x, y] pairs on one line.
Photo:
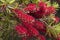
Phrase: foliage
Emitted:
{"points": [[9, 19]]}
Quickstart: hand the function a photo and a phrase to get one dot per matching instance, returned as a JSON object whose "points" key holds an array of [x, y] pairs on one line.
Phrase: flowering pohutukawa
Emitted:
{"points": [[30, 27], [40, 26], [51, 9], [30, 20], [40, 11], [42, 7], [44, 10], [30, 7], [47, 11], [24, 17], [42, 4], [33, 20], [33, 30], [22, 30]]}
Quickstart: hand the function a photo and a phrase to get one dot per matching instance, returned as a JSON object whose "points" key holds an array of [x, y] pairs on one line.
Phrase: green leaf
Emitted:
{"points": [[1, 33], [25, 1], [34, 1], [1, 3], [48, 3], [7, 1], [1, 14], [53, 32], [57, 28], [44, 0], [1, 39], [55, 5]]}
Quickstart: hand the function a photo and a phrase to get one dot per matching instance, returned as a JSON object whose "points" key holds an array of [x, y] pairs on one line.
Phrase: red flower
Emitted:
{"points": [[42, 4], [30, 7], [41, 11], [23, 16], [44, 11], [21, 30], [39, 25], [51, 9], [31, 29]]}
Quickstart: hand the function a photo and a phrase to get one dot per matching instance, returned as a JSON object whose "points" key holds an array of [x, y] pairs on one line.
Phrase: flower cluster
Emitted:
{"points": [[36, 21], [29, 27], [28, 30], [41, 10]]}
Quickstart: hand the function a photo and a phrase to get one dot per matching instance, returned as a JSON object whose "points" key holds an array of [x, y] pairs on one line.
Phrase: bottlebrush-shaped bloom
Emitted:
{"points": [[30, 7], [40, 11], [42, 4], [24, 17], [21, 30], [43, 7], [43, 10], [39, 25], [31, 29], [51, 9], [48, 10]]}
